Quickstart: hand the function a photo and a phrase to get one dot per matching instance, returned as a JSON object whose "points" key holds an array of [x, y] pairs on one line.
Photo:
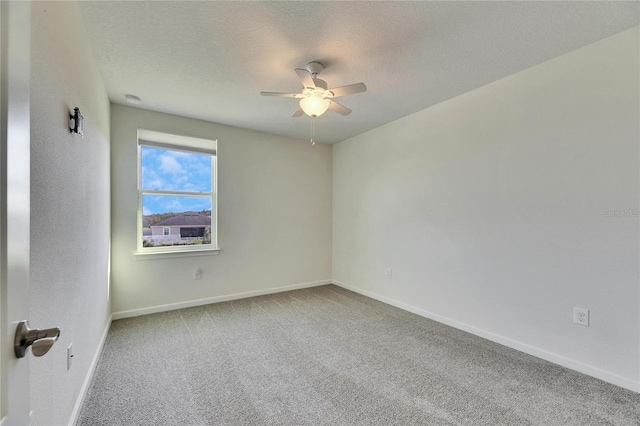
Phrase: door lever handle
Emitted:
{"points": [[42, 340], [42, 346]]}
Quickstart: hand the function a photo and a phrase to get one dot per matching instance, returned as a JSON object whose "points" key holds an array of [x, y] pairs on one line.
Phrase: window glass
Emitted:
{"points": [[164, 169]]}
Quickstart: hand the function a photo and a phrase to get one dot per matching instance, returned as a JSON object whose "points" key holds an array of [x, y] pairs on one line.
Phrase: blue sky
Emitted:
{"points": [[164, 169]]}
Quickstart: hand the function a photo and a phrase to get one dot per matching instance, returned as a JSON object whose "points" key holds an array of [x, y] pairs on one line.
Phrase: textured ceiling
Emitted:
{"points": [[210, 60]]}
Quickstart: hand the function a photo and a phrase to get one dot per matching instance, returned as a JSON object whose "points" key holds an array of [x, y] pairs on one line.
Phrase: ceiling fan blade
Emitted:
{"points": [[334, 106], [299, 113], [284, 95], [305, 78], [348, 90]]}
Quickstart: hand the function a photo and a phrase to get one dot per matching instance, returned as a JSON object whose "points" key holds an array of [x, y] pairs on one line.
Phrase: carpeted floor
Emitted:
{"points": [[328, 356]]}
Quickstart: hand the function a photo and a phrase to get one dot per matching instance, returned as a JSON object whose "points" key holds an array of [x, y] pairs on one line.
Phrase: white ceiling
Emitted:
{"points": [[210, 60]]}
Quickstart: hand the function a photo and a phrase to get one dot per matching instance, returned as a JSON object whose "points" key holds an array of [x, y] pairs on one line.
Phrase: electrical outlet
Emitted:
{"points": [[581, 316], [197, 273], [388, 273], [69, 356]]}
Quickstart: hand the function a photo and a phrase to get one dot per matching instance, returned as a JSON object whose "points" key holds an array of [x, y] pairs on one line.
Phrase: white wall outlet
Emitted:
{"points": [[388, 273], [581, 316], [69, 356], [197, 273]]}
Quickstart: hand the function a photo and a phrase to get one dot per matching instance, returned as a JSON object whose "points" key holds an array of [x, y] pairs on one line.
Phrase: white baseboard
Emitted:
{"points": [[87, 380], [217, 299], [514, 344]]}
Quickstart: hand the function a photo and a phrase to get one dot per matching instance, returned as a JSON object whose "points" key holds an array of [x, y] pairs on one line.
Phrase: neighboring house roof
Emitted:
{"points": [[186, 219]]}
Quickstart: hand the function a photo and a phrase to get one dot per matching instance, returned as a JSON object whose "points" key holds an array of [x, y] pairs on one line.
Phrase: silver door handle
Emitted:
{"points": [[39, 340]]}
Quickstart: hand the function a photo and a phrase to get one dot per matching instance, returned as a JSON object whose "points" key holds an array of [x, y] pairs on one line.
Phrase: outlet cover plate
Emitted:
{"points": [[581, 316]]}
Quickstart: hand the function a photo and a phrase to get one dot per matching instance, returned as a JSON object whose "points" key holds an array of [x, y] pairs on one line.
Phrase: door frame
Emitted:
{"points": [[15, 129]]}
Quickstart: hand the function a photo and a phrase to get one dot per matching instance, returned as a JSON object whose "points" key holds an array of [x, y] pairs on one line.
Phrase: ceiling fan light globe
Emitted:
{"points": [[314, 105]]}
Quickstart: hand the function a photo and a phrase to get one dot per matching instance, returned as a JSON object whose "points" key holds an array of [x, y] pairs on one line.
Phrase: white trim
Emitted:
{"points": [[169, 254], [217, 299], [87, 380], [152, 139], [172, 147], [15, 178], [572, 364]]}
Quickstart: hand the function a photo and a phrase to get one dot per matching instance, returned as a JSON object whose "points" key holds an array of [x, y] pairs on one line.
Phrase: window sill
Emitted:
{"points": [[175, 253]]}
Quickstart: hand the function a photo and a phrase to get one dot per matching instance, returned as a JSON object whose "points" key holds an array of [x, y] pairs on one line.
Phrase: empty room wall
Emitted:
{"points": [[274, 198], [69, 208], [502, 209]]}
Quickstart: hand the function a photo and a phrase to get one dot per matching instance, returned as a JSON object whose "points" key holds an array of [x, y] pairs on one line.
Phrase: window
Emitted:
{"points": [[176, 193]]}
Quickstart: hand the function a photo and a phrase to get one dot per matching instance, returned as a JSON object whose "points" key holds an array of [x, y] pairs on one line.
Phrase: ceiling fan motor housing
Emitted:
{"points": [[315, 68]]}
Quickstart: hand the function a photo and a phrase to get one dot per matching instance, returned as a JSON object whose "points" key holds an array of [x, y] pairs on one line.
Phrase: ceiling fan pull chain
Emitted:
{"points": [[313, 120]]}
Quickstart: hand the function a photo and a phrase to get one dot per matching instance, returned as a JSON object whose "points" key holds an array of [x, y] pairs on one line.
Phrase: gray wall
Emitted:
{"points": [[69, 207], [502, 209], [274, 197]]}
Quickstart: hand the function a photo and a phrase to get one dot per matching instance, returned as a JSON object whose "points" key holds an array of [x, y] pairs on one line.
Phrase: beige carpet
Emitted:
{"points": [[328, 356]]}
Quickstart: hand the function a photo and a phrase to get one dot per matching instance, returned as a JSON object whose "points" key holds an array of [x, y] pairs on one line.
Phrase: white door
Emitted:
{"points": [[15, 17]]}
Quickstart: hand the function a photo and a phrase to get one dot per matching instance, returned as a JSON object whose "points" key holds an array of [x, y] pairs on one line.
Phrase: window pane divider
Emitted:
{"points": [[175, 192]]}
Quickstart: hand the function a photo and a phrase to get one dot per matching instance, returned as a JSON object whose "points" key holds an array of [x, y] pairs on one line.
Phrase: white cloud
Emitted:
{"points": [[168, 164], [151, 180]]}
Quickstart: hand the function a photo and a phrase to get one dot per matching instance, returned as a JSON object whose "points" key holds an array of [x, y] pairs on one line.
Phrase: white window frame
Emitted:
{"points": [[168, 141]]}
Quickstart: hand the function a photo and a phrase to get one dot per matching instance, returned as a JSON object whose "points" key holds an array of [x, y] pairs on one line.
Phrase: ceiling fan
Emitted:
{"points": [[315, 98]]}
